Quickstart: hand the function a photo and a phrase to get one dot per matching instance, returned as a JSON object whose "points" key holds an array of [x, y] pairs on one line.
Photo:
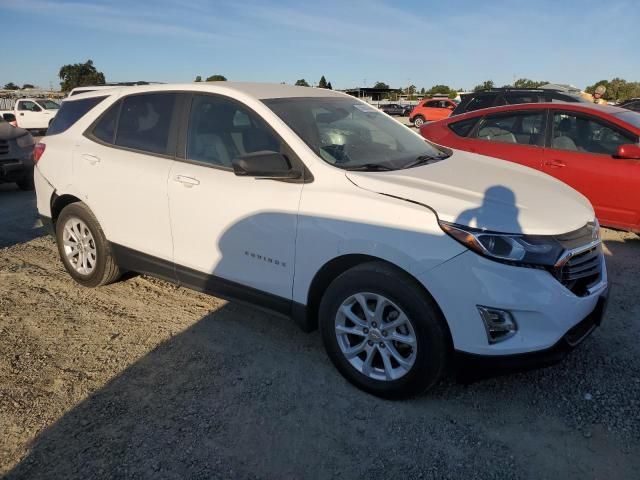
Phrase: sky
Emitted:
{"points": [[351, 43]]}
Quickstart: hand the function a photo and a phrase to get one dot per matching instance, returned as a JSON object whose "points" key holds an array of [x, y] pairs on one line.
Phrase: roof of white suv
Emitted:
{"points": [[260, 91]]}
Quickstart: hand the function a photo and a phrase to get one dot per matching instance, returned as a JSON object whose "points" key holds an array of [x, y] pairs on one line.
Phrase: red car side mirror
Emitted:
{"points": [[630, 151]]}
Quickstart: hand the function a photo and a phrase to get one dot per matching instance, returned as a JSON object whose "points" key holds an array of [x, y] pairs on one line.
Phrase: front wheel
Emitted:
{"points": [[383, 332], [418, 121], [83, 248]]}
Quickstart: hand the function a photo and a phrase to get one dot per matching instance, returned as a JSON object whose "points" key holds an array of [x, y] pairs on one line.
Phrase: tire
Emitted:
{"points": [[26, 183], [425, 362], [418, 121], [100, 267]]}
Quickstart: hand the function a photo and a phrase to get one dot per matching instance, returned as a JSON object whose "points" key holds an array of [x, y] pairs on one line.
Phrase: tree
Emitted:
{"points": [[27, 85], [323, 82], [302, 83], [329, 86], [79, 75], [198, 78], [488, 84], [618, 89], [216, 78], [442, 89], [11, 86], [380, 85], [422, 91], [526, 83]]}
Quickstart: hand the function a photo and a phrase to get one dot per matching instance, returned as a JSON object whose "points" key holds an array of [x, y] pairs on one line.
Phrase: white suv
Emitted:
{"points": [[319, 206]]}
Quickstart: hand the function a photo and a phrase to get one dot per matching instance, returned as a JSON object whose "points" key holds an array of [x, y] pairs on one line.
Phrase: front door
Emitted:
{"points": [[230, 231], [29, 114], [582, 154]]}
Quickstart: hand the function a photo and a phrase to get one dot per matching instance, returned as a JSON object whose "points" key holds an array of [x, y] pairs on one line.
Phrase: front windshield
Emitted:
{"points": [[48, 104], [350, 134], [632, 118]]}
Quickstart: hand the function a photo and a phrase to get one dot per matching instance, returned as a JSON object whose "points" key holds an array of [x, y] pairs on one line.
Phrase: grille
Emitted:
{"points": [[584, 269], [4, 147]]}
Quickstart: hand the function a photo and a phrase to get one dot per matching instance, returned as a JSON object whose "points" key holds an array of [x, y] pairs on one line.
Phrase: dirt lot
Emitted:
{"points": [[141, 379]]}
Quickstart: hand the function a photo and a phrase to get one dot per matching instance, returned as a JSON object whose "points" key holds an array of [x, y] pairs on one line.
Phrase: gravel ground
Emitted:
{"points": [[142, 379]]}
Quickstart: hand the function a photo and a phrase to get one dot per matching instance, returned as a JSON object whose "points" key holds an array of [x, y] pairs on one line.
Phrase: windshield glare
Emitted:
{"points": [[48, 104], [348, 133]]}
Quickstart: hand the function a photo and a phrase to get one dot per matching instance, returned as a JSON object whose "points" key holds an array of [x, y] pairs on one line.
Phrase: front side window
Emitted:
{"points": [[432, 104], [522, 128], [351, 135], [145, 121], [221, 130], [28, 106], [71, 112], [579, 133], [48, 104]]}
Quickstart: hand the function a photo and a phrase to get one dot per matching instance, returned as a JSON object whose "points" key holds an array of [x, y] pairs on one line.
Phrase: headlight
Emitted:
{"points": [[510, 248], [25, 141]]}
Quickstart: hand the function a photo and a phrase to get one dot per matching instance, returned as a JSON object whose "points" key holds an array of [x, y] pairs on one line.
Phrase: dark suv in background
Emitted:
{"points": [[510, 96], [633, 104]]}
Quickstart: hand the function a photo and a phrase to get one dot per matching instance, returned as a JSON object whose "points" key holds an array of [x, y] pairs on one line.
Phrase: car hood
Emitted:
{"points": [[9, 132], [487, 193]]}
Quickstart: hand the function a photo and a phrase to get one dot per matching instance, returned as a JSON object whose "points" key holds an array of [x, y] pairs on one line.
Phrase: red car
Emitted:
{"points": [[593, 148], [431, 109]]}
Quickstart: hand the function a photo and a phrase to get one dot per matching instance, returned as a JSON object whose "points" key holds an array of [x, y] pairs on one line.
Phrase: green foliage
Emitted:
{"points": [[28, 85], [380, 85], [618, 89], [216, 78], [526, 83], [79, 75], [322, 83], [11, 86], [329, 86], [488, 84], [301, 83], [198, 78], [442, 89]]}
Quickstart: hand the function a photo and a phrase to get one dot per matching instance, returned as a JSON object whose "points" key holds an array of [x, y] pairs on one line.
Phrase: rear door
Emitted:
{"points": [[581, 152], [516, 136], [121, 167]]}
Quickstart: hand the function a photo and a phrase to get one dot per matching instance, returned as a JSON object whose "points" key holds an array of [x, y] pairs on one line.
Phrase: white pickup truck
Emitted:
{"points": [[33, 113]]}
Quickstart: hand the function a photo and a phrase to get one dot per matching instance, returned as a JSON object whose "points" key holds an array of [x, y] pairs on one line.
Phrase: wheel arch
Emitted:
{"points": [[58, 202], [307, 316]]}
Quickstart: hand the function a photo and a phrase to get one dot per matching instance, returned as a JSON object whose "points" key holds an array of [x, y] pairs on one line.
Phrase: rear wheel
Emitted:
{"points": [[83, 248], [383, 332], [418, 121]]}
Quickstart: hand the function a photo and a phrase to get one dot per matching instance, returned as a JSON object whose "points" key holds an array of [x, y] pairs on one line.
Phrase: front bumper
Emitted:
{"points": [[469, 364], [14, 169], [545, 311]]}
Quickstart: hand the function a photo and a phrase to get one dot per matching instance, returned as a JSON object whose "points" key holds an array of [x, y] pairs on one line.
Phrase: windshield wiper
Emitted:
{"points": [[370, 167], [425, 160]]}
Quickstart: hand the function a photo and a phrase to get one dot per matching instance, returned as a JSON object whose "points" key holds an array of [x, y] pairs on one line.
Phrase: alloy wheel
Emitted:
{"points": [[79, 246]]}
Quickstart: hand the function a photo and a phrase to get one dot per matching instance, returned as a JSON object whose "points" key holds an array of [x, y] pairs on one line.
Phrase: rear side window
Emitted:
{"points": [[463, 127], [105, 130], [70, 112], [145, 121], [482, 101]]}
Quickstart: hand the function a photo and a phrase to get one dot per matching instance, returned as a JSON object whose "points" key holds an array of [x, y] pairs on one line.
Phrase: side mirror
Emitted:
{"points": [[630, 151], [264, 164]]}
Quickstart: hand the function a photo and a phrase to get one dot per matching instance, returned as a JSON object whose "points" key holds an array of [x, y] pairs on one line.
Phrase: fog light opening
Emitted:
{"points": [[499, 324]]}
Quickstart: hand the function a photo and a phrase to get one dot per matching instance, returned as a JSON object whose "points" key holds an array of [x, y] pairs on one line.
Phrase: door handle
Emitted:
{"points": [[22, 114], [555, 163], [186, 181], [92, 159]]}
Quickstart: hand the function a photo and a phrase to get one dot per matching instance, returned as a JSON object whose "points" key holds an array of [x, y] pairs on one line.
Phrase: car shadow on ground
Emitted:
{"points": [[19, 220]]}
